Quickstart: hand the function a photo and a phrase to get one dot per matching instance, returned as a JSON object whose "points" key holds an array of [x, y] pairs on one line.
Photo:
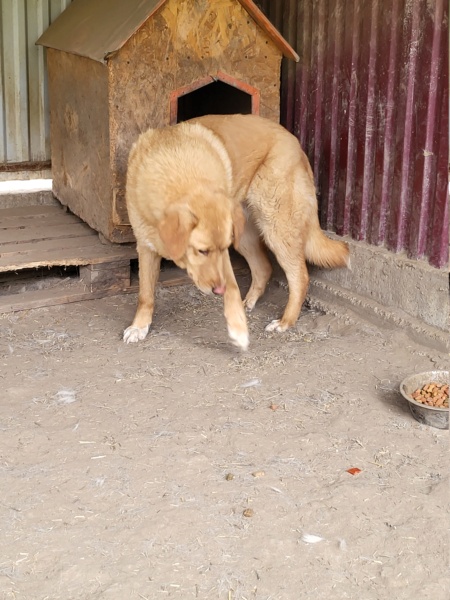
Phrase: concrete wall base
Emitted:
{"points": [[389, 288], [336, 301]]}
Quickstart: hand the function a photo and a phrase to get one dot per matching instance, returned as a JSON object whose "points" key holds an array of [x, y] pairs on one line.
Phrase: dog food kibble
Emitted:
{"points": [[432, 394]]}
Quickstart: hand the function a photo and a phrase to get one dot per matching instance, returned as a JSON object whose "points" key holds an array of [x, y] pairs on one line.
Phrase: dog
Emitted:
{"points": [[198, 187]]}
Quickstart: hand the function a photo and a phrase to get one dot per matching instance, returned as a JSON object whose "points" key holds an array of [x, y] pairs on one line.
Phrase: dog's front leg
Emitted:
{"points": [[149, 265], [234, 307]]}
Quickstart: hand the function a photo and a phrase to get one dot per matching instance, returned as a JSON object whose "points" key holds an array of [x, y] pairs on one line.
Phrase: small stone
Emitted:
{"points": [[229, 476], [258, 474], [248, 512]]}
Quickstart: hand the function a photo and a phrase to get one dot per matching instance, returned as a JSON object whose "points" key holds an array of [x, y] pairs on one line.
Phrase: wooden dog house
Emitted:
{"points": [[116, 68]]}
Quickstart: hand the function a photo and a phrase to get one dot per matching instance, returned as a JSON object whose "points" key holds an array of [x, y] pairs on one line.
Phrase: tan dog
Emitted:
{"points": [[195, 188]]}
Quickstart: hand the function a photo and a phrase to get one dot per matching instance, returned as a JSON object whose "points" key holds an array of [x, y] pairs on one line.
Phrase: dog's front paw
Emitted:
{"points": [[277, 325], [239, 338], [135, 334]]}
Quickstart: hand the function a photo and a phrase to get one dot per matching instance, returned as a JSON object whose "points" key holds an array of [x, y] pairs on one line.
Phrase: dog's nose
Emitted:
{"points": [[219, 290]]}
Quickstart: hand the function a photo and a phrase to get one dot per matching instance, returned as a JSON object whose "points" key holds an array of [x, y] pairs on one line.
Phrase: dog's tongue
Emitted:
{"points": [[219, 290]]}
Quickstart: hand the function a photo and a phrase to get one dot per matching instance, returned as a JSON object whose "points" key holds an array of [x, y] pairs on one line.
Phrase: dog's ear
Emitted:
{"points": [[238, 225], [175, 229]]}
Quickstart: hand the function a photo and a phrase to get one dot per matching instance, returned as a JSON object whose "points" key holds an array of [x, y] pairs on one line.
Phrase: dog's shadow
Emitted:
{"points": [[183, 311]]}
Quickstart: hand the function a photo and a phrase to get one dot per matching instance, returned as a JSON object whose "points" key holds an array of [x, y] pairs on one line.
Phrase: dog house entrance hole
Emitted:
{"points": [[216, 98]]}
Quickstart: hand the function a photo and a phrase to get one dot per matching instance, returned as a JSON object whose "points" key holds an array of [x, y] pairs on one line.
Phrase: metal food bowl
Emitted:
{"points": [[428, 415]]}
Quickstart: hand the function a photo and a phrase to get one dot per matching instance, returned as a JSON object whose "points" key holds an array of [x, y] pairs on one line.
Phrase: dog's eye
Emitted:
{"points": [[204, 252]]}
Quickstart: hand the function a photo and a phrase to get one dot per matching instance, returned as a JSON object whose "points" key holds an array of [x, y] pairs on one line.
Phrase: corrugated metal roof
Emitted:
{"points": [[97, 28]]}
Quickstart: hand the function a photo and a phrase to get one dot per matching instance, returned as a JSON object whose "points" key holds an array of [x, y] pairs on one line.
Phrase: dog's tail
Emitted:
{"points": [[324, 252]]}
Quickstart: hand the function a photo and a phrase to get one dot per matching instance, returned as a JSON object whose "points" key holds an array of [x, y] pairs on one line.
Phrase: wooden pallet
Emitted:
{"points": [[49, 236], [32, 237]]}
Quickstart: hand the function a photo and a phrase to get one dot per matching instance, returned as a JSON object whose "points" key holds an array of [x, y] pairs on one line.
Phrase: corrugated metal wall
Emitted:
{"points": [[369, 103], [24, 130]]}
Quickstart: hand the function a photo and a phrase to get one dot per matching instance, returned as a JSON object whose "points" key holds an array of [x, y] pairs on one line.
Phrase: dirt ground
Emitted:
{"points": [[182, 468]]}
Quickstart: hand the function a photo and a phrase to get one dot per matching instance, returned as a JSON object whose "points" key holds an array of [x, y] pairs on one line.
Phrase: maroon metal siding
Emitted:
{"points": [[369, 103]]}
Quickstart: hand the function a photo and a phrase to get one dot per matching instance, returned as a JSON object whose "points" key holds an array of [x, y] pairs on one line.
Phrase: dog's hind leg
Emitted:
{"points": [[293, 264], [149, 266], [253, 250], [278, 197]]}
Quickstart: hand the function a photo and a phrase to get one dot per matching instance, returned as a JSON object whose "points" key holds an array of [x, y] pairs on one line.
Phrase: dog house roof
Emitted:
{"points": [[98, 28]]}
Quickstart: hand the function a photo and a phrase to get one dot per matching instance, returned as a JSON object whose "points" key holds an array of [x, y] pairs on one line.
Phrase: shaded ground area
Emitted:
{"points": [[126, 470]]}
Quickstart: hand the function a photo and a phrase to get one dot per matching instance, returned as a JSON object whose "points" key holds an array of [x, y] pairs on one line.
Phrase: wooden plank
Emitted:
{"points": [[113, 275], [29, 276], [174, 276], [48, 236], [68, 256], [60, 245], [77, 293], [51, 247], [15, 200], [59, 218], [79, 124], [52, 297], [51, 232], [30, 211]]}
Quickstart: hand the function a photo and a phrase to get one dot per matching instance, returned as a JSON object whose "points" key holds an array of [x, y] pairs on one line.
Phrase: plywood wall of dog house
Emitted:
{"points": [[79, 132], [183, 43]]}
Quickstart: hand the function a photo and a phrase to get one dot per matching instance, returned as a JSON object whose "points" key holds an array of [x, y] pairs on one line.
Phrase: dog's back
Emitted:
{"points": [[273, 176]]}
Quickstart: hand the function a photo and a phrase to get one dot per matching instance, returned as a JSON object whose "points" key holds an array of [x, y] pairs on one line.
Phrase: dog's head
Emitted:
{"points": [[197, 233]]}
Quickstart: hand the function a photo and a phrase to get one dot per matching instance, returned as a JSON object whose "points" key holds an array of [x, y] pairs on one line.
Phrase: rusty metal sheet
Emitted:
{"points": [[369, 103]]}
